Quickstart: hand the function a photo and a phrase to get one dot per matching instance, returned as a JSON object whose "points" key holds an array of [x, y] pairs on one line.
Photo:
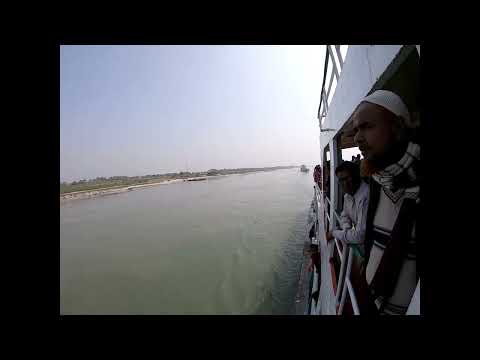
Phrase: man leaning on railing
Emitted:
{"points": [[353, 217]]}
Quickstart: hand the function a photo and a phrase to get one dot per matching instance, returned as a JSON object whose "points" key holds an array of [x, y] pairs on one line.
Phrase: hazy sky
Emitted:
{"points": [[137, 110]]}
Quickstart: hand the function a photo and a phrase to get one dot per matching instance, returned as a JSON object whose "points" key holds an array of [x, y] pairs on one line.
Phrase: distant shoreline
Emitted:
{"points": [[117, 189], [94, 193], [88, 194]]}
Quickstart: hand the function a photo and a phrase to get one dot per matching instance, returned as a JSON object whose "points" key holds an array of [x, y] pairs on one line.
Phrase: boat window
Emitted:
{"points": [[349, 152]]}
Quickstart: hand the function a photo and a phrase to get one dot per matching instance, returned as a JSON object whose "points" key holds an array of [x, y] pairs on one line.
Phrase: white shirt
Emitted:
{"points": [[354, 216]]}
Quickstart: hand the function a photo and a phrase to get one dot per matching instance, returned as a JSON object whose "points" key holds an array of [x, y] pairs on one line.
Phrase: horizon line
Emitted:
{"points": [[107, 177]]}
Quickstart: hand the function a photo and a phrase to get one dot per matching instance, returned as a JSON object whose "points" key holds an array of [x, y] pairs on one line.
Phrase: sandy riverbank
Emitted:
{"points": [[88, 194]]}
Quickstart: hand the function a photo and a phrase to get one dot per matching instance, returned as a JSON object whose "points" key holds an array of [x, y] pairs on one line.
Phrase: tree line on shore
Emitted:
{"points": [[121, 181]]}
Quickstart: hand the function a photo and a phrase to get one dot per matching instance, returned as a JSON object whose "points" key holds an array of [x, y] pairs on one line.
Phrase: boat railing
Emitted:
{"points": [[337, 243], [345, 254], [332, 70]]}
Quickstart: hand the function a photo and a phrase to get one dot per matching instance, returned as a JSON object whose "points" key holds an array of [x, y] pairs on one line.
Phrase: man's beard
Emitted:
{"points": [[389, 157], [367, 168]]}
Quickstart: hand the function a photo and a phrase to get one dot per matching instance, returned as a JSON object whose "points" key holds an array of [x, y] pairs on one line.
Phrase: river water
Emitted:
{"points": [[228, 245]]}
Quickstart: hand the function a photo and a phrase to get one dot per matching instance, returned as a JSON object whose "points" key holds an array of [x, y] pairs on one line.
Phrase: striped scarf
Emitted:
{"points": [[401, 178]]}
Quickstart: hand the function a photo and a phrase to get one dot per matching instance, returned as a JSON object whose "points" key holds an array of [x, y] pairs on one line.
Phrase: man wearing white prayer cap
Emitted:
{"points": [[380, 123], [382, 126]]}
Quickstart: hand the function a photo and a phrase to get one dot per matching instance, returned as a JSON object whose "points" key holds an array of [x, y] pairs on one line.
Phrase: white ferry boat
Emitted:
{"points": [[350, 74]]}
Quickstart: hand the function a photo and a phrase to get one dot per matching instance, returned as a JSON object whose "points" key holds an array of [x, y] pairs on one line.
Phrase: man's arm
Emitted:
{"points": [[357, 235], [345, 222]]}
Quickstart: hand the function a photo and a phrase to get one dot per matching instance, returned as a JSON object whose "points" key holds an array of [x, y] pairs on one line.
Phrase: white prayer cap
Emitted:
{"points": [[392, 102]]}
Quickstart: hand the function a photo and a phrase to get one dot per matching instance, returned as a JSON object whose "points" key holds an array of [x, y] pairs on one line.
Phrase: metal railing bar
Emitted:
{"points": [[329, 47], [343, 255], [353, 298], [345, 278], [337, 49]]}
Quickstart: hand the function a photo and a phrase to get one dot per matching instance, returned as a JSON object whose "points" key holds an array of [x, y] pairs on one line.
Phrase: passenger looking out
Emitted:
{"points": [[315, 264], [353, 218], [326, 189], [384, 134], [317, 175], [355, 203], [326, 179], [311, 234], [314, 258]]}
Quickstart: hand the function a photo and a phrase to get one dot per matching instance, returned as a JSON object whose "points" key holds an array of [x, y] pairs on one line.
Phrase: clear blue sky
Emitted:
{"points": [[136, 110]]}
